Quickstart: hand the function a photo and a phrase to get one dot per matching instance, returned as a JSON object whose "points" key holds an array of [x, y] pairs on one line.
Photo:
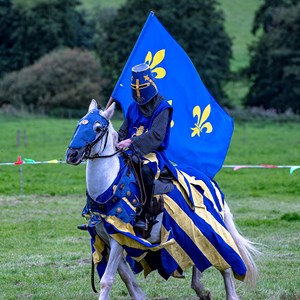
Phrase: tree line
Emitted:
{"points": [[54, 55]]}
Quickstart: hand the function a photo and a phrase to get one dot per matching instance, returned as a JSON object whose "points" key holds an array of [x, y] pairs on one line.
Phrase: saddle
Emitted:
{"points": [[162, 185]]}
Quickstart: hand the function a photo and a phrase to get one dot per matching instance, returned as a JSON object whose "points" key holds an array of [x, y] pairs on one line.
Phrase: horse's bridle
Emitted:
{"points": [[89, 147]]}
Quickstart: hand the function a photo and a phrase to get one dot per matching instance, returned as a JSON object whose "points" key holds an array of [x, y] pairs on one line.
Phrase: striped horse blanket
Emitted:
{"points": [[193, 231]]}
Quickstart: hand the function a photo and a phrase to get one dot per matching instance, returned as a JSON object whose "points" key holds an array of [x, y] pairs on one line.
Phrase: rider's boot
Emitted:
{"points": [[141, 215], [140, 218], [148, 181], [82, 227]]}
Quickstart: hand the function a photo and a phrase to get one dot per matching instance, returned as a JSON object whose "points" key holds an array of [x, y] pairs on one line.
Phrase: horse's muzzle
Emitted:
{"points": [[74, 156]]}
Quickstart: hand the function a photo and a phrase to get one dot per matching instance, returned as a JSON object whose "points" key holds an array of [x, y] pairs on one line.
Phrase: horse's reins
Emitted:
{"points": [[91, 145], [137, 169], [93, 277]]}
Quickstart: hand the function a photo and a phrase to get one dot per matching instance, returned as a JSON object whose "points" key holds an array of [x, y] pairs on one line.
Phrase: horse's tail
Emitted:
{"points": [[246, 248]]}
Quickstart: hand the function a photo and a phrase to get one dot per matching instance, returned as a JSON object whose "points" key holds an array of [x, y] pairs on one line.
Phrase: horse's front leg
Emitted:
{"points": [[229, 285], [106, 282]]}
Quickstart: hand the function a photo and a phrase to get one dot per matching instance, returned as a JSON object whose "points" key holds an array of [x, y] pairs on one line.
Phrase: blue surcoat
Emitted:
{"points": [[139, 124]]}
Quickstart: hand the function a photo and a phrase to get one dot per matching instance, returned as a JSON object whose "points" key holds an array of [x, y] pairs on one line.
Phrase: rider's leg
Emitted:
{"points": [[148, 179]]}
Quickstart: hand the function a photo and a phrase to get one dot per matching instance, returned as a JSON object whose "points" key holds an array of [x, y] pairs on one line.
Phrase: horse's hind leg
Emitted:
{"points": [[130, 281], [197, 286], [229, 285], [115, 257]]}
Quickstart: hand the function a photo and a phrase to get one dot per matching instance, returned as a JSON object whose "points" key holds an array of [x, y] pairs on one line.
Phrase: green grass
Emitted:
{"points": [[262, 143], [47, 139], [44, 256]]}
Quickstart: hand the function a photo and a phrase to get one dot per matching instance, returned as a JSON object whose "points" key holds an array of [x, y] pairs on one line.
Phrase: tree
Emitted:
{"points": [[274, 69], [60, 83], [29, 32], [198, 26], [267, 13], [10, 17]]}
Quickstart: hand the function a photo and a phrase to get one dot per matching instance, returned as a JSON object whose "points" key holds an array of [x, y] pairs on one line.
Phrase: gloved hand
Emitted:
{"points": [[123, 145]]}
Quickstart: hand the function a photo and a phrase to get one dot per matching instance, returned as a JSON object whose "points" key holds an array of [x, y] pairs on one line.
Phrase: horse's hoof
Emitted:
{"points": [[207, 296]]}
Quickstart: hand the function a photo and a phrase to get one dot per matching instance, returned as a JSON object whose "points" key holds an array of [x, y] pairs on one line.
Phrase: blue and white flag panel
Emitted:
{"points": [[201, 129]]}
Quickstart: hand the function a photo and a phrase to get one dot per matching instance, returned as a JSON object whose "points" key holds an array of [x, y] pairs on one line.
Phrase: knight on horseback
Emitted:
{"points": [[145, 134], [196, 228]]}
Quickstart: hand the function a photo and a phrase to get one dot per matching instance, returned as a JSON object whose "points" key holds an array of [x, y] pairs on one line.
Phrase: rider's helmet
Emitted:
{"points": [[143, 86]]}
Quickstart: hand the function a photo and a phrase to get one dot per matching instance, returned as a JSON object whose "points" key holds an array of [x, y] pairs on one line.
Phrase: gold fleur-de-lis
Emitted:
{"points": [[201, 121], [154, 61], [159, 72], [172, 121]]}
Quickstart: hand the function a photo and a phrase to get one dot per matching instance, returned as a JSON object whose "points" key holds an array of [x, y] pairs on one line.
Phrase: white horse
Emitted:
{"points": [[97, 145]]}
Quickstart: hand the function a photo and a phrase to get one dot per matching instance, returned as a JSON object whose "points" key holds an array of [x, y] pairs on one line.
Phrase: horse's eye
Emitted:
{"points": [[98, 128]]}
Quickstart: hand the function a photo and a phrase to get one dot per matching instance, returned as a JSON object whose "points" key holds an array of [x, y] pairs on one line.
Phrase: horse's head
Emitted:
{"points": [[91, 135]]}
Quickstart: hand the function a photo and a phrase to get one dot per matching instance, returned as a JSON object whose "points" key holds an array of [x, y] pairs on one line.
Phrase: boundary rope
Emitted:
{"points": [[28, 161]]}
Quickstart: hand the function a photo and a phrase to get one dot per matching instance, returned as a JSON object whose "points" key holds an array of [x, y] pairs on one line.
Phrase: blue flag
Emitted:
{"points": [[200, 130]]}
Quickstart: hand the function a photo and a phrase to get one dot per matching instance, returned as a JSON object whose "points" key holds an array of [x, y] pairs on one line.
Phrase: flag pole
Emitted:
{"points": [[111, 100]]}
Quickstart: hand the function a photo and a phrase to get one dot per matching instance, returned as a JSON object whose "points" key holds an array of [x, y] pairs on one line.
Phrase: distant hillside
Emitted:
{"points": [[102, 3], [239, 16]]}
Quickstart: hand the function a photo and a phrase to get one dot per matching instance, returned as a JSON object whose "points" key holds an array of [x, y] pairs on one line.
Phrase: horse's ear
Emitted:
{"points": [[108, 113], [93, 105]]}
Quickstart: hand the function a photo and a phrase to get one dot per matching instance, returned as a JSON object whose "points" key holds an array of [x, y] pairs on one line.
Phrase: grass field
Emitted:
{"points": [[47, 139], [44, 256]]}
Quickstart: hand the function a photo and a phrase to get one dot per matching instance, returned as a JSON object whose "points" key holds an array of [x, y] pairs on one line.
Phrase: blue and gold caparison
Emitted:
{"points": [[120, 200]]}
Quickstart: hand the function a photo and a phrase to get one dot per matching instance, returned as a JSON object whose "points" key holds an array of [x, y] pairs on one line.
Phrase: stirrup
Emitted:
{"points": [[141, 224]]}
